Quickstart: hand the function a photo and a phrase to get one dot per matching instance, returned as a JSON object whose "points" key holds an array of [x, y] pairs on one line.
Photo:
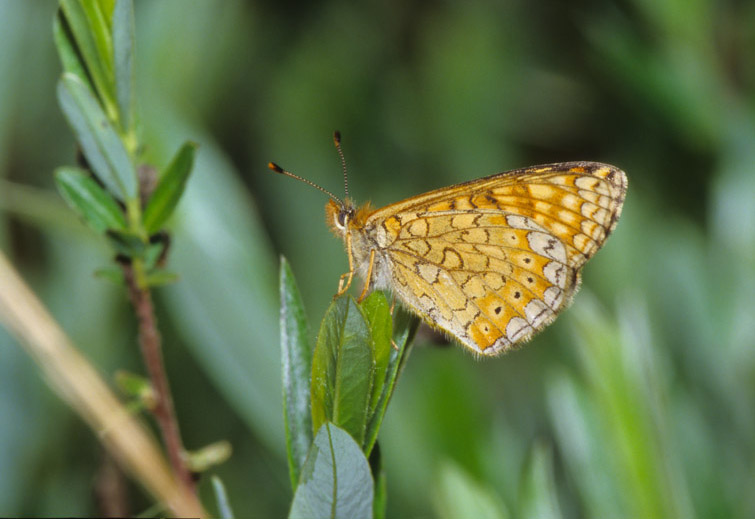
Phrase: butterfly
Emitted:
{"points": [[491, 261]]}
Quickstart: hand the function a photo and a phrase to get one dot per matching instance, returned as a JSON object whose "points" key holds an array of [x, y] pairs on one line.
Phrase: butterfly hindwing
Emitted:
{"points": [[493, 261]]}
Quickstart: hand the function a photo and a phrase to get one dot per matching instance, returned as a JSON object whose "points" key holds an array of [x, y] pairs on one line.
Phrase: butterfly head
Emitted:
{"points": [[343, 217]]}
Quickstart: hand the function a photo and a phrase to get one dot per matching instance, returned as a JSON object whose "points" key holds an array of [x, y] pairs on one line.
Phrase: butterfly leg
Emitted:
{"points": [[369, 277], [349, 276], [343, 287]]}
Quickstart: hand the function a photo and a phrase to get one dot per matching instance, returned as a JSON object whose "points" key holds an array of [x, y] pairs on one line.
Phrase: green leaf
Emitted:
{"points": [[168, 192], [112, 274], [537, 494], [98, 139], [296, 362], [134, 385], [404, 330], [99, 14], [89, 200], [209, 456], [123, 57], [224, 308], [221, 498], [160, 277], [68, 52], [343, 369], [458, 495], [380, 501], [152, 254], [624, 405], [88, 22], [335, 481], [378, 315], [127, 243], [142, 394]]}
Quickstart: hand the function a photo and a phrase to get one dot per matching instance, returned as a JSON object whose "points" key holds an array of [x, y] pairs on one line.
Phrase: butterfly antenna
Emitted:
{"points": [[275, 167], [337, 142]]}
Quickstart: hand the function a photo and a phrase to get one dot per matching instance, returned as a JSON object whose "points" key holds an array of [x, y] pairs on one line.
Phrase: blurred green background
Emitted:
{"points": [[637, 402]]}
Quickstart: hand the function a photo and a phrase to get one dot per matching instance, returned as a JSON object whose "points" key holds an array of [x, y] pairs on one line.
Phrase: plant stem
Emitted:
{"points": [[151, 346], [110, 489]]}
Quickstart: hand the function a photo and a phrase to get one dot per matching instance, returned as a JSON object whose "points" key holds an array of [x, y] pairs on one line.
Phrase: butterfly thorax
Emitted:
{"points": [[351, 224]]}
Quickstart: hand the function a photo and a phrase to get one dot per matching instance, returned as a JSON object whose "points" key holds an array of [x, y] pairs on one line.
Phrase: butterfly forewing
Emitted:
{"points": [[492, 261]]}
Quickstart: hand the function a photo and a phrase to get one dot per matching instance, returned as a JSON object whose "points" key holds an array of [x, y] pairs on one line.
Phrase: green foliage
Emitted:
{"points": [[296, 361], [168, 192], [538, 496], [134, 385], [648, 375], [346, 383], [380, 500], [378, 318], [209, 456], [456, 495], [343, 368], [160, 277], [224, 507], [94, 204], [95, 43], [123, 63], [87, 29], [336, 482], [355, 367], [388, 360], [100, 142]]}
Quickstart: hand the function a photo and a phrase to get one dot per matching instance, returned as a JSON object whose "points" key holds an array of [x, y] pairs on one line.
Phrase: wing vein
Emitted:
{"points": [[478, 273], [451, 243]]}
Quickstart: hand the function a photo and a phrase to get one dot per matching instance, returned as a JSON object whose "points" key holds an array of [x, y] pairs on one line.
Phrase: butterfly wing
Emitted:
{"points": [[492, 261]]}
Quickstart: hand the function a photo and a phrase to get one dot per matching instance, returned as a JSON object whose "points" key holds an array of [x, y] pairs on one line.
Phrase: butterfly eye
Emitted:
{"points": [[341, 219]]}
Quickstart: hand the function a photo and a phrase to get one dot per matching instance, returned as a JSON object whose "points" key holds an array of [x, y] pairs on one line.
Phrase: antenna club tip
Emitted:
{"points": [[275, 167], [337, 137]]}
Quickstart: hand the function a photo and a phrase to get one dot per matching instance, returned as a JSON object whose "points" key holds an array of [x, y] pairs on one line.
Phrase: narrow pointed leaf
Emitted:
{"points": [[134, 385], [380, 501], [335, 481], [68, 52], [160, 277], [89, 200], [378, 315], [343, 369], [221, 498], [209, 456], [112, 274], [126, 242], [123, 56], [98, 139], [168, 192], [405, 326], [99, 15], [296, 361], [88, 26], [153, 253], [538, 496], [457, 495]]}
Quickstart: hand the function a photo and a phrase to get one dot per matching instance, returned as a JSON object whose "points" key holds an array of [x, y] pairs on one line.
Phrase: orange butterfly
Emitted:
{"points": [[489, 261]]}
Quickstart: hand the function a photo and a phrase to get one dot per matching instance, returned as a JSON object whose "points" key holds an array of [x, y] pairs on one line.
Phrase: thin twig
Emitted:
{"points": [[151, 346], [110, 489], [79, 384]]}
